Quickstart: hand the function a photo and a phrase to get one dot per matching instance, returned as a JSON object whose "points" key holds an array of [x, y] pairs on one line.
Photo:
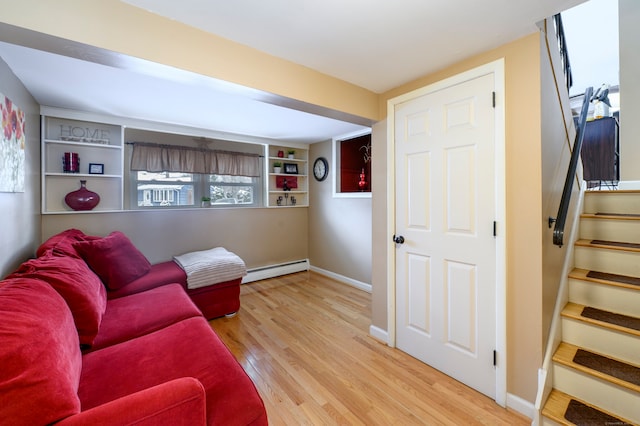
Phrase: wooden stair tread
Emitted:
{"points": [[612, 370], [612, 321], [614, 191], [625, 281], [567, 410], [611, 216], [611, 245]]}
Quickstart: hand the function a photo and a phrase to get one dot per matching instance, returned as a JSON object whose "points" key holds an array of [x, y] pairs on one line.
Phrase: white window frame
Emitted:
{"points": [[201, 184]]}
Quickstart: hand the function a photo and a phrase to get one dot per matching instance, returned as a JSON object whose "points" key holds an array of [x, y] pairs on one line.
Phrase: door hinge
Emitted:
{"points": [[495, 358], [495, 228], [493, 99]]}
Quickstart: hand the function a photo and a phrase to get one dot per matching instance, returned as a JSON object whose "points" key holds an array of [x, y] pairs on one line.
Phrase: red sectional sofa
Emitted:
{"points": [[214, 301], [71, 355]]}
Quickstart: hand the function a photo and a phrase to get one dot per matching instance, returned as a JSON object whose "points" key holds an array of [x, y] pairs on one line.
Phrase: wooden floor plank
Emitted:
{"points": [[303, 339]]}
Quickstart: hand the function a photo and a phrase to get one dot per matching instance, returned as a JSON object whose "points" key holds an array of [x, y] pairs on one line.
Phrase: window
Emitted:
{"points": [[165, 189], [226, 189], [180, 175]]}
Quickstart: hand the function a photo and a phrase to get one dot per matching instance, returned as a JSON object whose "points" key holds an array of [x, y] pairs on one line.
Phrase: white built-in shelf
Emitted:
{"points": [[94, 143], [300, 161]]}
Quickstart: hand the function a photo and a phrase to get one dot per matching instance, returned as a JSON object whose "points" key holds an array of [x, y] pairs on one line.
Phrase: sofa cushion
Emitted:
{"points": [[39, 355], [77, 284], [143, 313], [62, 243], [160, 274], [189, 348], [114, 258]]}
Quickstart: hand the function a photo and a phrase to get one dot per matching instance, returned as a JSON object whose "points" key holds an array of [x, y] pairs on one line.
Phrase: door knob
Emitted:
{"points": [[399, 239]]}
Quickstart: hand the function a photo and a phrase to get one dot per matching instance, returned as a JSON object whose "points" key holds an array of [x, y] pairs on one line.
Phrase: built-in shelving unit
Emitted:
{"points": [[99, 141], [292, 175], [95, 143]]}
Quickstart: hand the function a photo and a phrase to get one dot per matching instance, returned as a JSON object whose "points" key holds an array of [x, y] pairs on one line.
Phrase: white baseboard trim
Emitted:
{"points": [[379, 334], [272, 271], [354, 283], [520, 405]]}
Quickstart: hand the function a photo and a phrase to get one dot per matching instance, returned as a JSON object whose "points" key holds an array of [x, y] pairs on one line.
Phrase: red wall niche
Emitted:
{"points": [[355, 160]]}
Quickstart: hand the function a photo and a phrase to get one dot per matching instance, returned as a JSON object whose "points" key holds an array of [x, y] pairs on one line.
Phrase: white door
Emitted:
{"points": [[445, 211]]}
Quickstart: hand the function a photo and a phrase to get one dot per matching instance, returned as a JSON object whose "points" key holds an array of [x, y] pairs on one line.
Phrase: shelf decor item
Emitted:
{"points": [[96, 169], [291, 153], [82, 199], [290, 168], [362, 183], [289, 182], [71, 162], [277, 167]]}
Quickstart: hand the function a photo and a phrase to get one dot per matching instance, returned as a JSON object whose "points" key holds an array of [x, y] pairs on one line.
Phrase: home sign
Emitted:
{"points": [[84, 134]]}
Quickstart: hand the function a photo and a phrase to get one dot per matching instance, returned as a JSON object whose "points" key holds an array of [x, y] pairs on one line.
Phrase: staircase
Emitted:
{"points": [[596, 368]]}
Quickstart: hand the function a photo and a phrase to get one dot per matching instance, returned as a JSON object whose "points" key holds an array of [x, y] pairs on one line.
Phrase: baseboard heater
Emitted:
{"points": [[271, 271]]}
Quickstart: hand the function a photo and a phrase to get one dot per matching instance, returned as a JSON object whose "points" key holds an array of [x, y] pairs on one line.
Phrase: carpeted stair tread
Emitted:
{"points": [[604, 278], [600, 318], [583, 414], [611, 367], [611, 370], [633, 246], [567, 410], [624, 279], [611, 318]]}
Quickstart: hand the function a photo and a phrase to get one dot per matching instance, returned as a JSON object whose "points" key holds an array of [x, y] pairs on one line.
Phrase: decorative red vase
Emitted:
{"points": [[362, 183], [82, 199]]}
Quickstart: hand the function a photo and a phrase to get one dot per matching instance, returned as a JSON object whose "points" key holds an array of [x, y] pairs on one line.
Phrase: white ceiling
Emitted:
{"points": [[375, 44]]}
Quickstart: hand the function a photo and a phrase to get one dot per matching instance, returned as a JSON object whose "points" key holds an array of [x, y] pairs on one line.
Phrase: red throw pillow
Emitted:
{"points": [[77, 284], [62, 243], [114, 258], [39, 356]]}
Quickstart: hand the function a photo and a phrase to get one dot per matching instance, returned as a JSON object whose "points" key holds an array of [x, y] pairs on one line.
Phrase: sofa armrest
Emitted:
{"points": [[177, 402]]}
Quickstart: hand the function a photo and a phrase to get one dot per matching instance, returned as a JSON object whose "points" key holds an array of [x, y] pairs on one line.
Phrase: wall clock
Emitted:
{"points": [[320, 169]]}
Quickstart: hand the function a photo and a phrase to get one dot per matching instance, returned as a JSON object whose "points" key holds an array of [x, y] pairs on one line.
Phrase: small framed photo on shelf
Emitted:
{"points": [[290, 168], [96, 169]]}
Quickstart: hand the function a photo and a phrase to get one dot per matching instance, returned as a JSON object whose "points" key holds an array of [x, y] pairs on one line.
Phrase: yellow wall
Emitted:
{"points": [[122, 28], [524, 207]]}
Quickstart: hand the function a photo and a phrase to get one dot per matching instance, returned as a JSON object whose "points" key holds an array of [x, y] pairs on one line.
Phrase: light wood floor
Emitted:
{"points": [[303, 339]]}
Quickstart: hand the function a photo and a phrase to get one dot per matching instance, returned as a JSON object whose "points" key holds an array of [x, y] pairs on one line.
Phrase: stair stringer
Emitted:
{"points": [[545, 373]]}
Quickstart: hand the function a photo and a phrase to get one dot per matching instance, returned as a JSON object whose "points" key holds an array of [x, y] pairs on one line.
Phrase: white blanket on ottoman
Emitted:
{"points": [[209, 267]]}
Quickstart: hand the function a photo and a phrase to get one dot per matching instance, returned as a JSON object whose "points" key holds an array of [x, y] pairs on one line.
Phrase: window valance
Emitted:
{"points": [[172, 158]]}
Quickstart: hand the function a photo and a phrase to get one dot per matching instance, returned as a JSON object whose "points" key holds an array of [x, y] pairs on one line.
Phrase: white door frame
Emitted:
{"points": [[497, 69]]}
